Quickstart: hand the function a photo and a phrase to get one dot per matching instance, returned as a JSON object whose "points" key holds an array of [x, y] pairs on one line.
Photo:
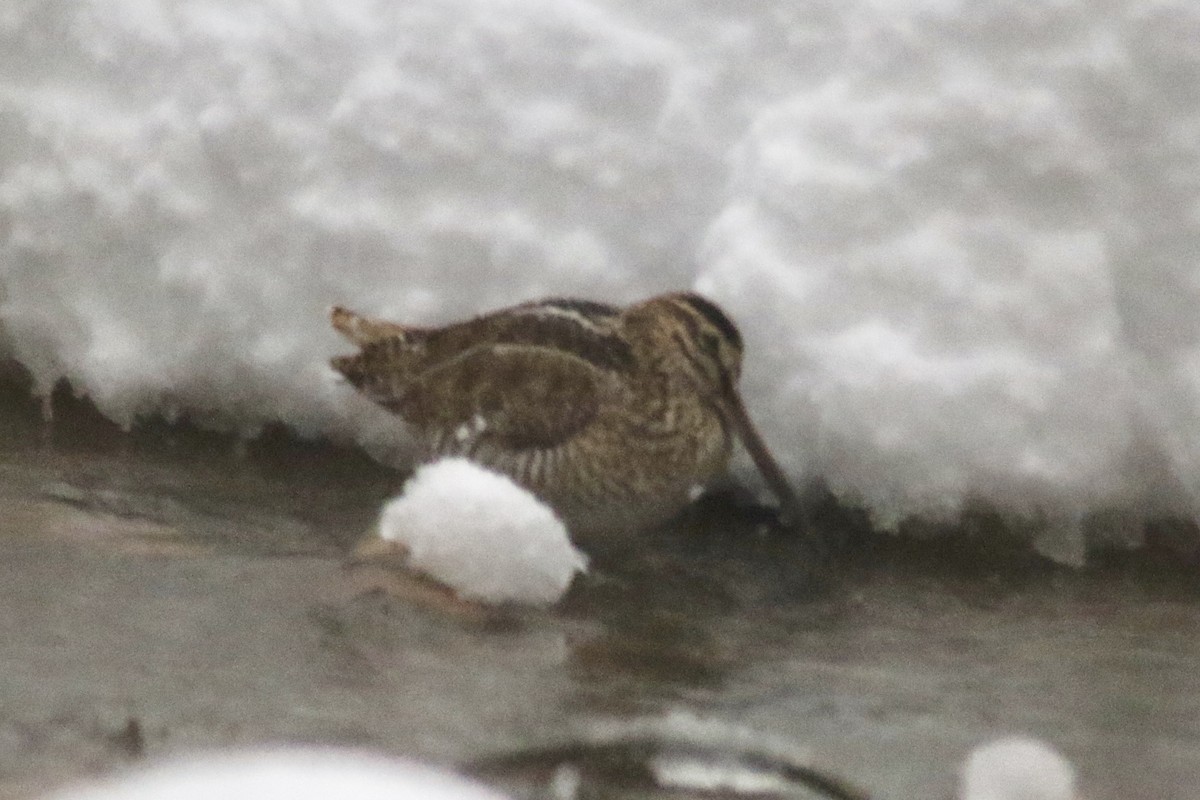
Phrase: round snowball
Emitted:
{"points": [[299, 774], [1017, 768], [482, 535]]}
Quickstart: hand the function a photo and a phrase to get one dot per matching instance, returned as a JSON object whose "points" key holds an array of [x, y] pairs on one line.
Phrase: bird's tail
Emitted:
{"points": [[364, 330], [381, 369]]}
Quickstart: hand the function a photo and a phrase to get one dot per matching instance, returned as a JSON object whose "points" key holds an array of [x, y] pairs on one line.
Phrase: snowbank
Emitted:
{"points": [[961, 238]]}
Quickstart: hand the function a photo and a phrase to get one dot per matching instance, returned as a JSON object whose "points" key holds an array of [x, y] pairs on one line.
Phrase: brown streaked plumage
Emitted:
{"points": [[610, 415]]}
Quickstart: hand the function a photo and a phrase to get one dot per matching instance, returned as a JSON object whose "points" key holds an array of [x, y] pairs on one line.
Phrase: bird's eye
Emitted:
{"points": [[711, 344]]}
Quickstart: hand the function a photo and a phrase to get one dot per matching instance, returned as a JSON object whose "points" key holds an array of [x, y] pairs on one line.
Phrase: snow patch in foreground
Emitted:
{"points": [[298, 774], [482, 535]]}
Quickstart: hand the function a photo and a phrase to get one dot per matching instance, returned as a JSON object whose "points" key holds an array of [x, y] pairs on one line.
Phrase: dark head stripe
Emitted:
{"points": [[715, 316]]}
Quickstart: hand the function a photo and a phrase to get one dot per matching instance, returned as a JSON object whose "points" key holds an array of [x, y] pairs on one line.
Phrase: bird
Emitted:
{"points": [[616, 417]]}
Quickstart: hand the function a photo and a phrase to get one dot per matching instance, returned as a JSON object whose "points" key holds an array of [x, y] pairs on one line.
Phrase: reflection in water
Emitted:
{"points": [[668, 611]]}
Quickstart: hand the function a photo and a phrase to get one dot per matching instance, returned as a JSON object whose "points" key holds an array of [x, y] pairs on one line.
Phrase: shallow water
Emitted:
{"points": [[168, 591]]}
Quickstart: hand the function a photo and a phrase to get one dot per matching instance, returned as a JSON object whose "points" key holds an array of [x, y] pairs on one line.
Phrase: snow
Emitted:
{"points": [[285, 774], [482, 535], [1017, 768], [960, 238]]}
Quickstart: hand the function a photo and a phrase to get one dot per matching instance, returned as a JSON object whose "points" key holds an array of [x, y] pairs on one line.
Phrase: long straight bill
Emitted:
{"points": [[768, 467]]}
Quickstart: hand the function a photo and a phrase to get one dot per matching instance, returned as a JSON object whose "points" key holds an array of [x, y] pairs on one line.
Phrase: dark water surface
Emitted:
{"points": [[169, 591]]}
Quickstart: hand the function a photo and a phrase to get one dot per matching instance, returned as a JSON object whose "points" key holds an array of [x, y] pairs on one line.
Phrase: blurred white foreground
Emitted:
{"points": [[1017, 768], [295, 774]]}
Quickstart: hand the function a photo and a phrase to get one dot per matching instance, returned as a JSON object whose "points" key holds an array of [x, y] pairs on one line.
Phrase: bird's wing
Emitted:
{"points": [[517, 396]]}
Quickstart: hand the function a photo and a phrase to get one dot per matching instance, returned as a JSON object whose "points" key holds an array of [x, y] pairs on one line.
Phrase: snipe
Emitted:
{"points": [[613, 416]]}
